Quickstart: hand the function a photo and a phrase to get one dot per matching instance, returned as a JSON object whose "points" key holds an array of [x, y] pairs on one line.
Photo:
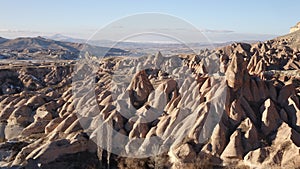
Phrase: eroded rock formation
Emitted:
{"points": [[238, 105]]}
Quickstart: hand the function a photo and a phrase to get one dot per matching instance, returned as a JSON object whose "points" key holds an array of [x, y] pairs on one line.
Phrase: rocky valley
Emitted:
{"points": [[232, 107]]}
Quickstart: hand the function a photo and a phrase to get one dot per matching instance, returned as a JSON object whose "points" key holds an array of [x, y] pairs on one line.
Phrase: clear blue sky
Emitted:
{"points": [[62, 16]]}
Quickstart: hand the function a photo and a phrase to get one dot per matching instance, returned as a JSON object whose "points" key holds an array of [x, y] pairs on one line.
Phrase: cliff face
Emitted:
{"points": [[295, 28]]}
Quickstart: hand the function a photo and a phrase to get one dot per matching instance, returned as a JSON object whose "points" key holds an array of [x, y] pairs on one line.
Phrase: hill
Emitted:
{"points": [[2, 40], [41, 48], [293, 39]]}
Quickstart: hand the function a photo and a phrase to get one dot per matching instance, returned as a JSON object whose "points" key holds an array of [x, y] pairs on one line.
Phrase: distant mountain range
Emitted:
{"points": [[60, 37], [144, 44], [64, 47], [38, 43], [140, 48], [28, 48]]}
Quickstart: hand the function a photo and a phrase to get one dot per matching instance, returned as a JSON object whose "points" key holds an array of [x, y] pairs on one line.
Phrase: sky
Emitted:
{"points": [[82, 18]]}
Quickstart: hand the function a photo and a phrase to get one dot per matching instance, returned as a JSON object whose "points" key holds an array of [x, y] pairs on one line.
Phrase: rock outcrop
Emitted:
{"points": [[295, 28]]}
